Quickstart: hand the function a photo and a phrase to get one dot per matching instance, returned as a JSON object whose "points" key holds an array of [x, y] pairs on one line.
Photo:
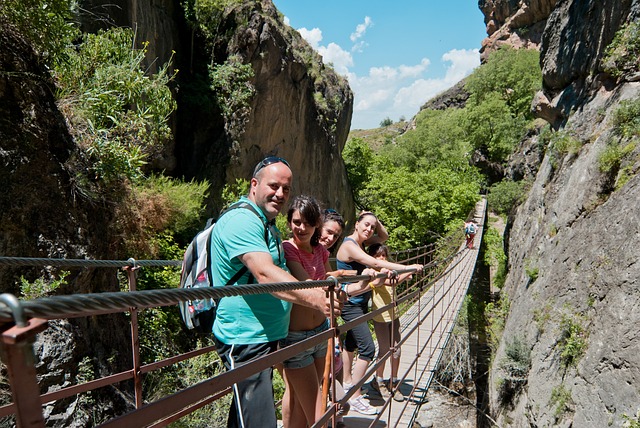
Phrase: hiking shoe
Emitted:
{"points": [[360, 405], [397, 395], [384, 390]]}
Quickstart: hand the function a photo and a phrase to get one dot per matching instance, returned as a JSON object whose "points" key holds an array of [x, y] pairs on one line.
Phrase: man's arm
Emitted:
{"points": [[264, 271]]}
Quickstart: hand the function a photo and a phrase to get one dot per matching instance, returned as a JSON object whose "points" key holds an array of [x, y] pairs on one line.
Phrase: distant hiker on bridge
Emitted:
{"points": [[470, 229], [307, 259], [351, 255], [387, 327], [250, 326]]}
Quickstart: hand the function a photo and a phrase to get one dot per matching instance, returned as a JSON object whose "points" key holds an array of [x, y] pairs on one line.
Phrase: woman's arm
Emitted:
{"points": [[354, 252], [297, 270], [357, 288]]}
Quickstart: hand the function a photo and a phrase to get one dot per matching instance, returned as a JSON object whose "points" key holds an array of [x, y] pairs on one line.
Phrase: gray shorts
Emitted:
{"points": [[306, 357]]}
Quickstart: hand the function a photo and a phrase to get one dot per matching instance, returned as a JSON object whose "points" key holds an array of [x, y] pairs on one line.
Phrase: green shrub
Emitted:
{"points": [[531, 270], [386, 122], [494, 255], [496, 314], [118, 115], [623, 53], [561, 399], [231, 83], [573, 340], [515, 366], [506, 195], [46, 24], [625, 119], [41, 287], [631, 421]]}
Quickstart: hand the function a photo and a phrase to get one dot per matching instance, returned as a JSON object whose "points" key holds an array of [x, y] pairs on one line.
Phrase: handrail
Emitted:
{"points": [[168, 409]]}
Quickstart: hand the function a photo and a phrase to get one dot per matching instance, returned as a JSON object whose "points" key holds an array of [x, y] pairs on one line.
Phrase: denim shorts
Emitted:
{"points": [[306, 357]]}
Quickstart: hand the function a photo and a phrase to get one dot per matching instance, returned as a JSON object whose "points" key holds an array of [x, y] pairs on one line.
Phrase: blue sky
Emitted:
{"points": [[396, 55]]}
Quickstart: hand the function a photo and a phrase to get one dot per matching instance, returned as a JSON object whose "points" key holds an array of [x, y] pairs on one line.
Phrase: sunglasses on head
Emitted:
{"points": [[331, 211], [268, 161]]}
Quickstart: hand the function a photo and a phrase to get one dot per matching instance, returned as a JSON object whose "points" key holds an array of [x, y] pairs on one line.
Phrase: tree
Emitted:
{"points": [[386, 122]]}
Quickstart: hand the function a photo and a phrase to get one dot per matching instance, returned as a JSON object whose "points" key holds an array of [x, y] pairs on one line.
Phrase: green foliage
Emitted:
{"points": [[117, 113], [232, 192], [494, 255], [386, 122], [506, 195], [626, 119], [231, 82], [41, 287], [358, 159], [623, 54], [563, 143], [515, 367], [532, 270], [631, 421], [573, 340], [46, 24], [561, 399], [513, 75], [496, 314], [491, 126]]}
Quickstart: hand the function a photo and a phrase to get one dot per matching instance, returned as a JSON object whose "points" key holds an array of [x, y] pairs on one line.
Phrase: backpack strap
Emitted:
{"points": [[244, 269]]}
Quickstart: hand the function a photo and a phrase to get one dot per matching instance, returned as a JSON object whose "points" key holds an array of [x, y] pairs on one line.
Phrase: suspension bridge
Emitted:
{"points": [[429, 308]]}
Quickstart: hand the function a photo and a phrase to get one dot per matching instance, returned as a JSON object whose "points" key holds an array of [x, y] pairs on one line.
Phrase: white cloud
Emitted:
{"points": [[361, 29], [391, 91], [313, 36], [341, 59]]}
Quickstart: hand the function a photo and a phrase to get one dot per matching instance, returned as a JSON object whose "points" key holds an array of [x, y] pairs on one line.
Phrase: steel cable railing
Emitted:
{"points": [[57, 307]]}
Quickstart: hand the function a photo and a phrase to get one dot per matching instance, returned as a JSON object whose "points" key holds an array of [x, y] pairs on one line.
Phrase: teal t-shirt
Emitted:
{"points": [[247, 319]]}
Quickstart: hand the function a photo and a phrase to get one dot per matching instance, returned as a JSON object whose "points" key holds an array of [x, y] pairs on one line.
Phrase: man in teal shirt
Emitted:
{"points": [[248, 327]]}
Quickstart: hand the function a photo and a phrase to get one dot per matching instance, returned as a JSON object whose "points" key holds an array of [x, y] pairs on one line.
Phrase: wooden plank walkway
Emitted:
{"points": [[437, 310]]}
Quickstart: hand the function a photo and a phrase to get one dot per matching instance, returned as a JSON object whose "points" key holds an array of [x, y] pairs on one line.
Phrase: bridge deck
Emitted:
{"points": [[437, 310]]}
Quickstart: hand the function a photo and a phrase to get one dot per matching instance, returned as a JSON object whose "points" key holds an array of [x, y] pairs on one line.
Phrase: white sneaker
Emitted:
{"points": [[360, 405], [346, 386]]}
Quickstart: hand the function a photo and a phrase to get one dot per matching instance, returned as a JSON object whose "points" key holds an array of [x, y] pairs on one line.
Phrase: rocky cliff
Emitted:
{"points": [[572, 253], [299, 110]]}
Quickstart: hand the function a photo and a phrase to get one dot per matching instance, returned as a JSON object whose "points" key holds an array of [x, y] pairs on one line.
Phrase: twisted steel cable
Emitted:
{"points": [[34, 261], [77, 305]]}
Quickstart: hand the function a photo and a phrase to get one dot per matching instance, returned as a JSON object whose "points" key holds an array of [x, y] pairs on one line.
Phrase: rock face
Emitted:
{"points": [[517, 23], [573, 271], [42, 215], [300, 110]]}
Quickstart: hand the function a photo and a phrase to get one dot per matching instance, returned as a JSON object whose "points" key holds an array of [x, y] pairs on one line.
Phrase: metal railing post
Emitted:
{"points": [[16, 349], [135, 338]]}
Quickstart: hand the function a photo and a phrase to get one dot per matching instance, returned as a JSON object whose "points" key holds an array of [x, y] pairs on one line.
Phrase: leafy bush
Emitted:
{"points": [[573, 341], [118, 115], [513, 75], [496, 314], [531, 270], [46, 24], [494, 255], [386, 122], [623, 53], [41, 287], [506, 195], [631, 421], [561, 398], [515, 367], [231, 82], [157, 212], [626, 119], [358, 159]]}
